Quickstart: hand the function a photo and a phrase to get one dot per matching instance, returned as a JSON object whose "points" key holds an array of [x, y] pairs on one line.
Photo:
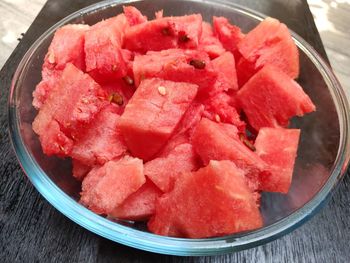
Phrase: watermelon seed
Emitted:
{"points": [[114, 68], [184, 38], [51, 58], [61, 148], [128, 80], [162, 90], [198, 64], [166, 31], [247, 142], [116, 98], [217, 118]]}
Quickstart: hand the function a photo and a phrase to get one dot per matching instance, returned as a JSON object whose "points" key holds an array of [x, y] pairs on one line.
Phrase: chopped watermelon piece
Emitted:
{"points": [[153, 113], [43, 89], [176, 65], [270, 43], [80, 170], [209, 43], [101, 141], [278, 148], [73, 104], [139, 206], [270, 98], [66, 47], [227, 76], [53, 140], [103, 55], [185, 129], [215, 141], [106, 187], [159, 14], [221, 108], [134, 16], [165, 33], [163, 171], [214, 201], [228, 34]]}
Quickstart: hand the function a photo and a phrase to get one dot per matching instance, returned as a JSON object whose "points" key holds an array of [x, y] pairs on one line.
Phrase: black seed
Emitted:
{"points": [[199, 64]]}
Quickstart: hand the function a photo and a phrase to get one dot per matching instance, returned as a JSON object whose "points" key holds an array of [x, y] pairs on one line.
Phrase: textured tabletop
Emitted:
{"points": [[31, 230]]}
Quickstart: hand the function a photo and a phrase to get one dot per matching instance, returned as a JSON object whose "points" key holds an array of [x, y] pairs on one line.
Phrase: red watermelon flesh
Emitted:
{"points": [[43, 89], [185, 128], [139, 206], [106, 187], [227, 76], [53, 140], [163, 171], [212, 141], [270, 98], [175, 65], [66, 47], [153, 113], [203, 108], [270, 43], [165, 33], [221, 108], [215, 201], [228, 34], [209, 43], [101, 141], [103, 55], [278, 148], [80, 170], [127, 55], [73, 103], [133, 15]]}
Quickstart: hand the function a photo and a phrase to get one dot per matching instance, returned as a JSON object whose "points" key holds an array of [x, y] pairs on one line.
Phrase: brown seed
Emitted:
{"points": [[116, 98], [114, 68], [198, 64], [184, 38], [128, 80], [247, 142], [165, 31]]}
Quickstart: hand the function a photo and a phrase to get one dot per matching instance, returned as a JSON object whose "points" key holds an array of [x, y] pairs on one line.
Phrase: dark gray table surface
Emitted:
{"points": [[31, 230]]}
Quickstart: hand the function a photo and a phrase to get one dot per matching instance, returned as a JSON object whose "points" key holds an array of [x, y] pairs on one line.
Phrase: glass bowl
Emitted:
{"points": [[322, 156]]}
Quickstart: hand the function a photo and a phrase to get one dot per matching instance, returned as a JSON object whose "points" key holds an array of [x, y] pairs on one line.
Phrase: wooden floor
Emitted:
{"points": [[332, 19]]}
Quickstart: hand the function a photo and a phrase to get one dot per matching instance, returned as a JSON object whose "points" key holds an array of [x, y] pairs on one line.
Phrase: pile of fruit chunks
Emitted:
{"points": [[173, 121]]}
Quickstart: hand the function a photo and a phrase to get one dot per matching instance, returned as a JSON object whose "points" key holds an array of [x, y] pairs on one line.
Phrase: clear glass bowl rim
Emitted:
{"points": [[180, 246]]}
